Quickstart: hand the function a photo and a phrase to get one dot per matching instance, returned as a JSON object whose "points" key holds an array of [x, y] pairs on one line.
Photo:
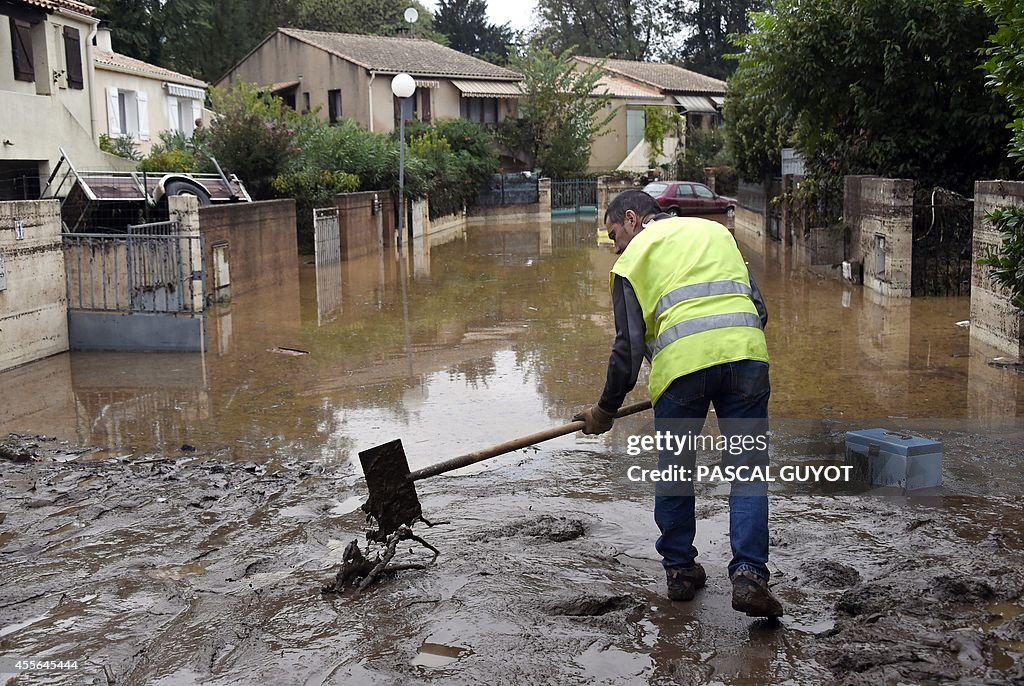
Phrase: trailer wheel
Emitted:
{"points": [[181, 187]]}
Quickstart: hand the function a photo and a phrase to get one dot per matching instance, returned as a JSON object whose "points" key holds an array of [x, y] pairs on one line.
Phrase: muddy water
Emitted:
{"points": [[175, 566]]}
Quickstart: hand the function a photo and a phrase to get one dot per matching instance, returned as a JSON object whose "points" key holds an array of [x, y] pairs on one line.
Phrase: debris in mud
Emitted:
{"points": [[1007, 363], [915, 627], [555, 529], [830, 574], [361, 572], [14, 448], [591, 605], [292, 352]]}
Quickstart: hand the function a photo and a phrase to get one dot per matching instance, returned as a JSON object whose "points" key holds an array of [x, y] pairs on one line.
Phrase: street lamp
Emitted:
{"points": [[403, 86]]}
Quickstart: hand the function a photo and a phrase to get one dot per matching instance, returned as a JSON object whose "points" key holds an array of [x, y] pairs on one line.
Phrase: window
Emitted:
{"points": [[655, 189], [21, 43], [305, 103], [333, 105], [182, 114], [73, 58], [482, 110], [128, 113], [289, 99], [684, 190], [703, 191]]}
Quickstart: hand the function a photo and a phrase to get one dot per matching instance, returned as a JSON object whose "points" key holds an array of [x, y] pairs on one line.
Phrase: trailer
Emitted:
{"points": [[110, 201]]}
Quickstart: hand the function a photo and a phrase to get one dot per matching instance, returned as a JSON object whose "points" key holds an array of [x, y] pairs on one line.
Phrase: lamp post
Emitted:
{"points": [[403, 86]]}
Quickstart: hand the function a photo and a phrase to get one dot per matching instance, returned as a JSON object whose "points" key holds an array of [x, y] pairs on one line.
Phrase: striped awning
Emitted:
{"points": [[719, 100], [420, 83], [696, 104], [488, 89], [179, 91]]}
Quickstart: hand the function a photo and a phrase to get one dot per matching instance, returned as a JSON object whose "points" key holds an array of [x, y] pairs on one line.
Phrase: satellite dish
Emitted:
{"points": [[411, 15]]}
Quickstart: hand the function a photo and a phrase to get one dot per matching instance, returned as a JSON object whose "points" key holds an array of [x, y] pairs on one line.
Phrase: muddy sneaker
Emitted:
{"points": [[683, 582], [750, 594]]}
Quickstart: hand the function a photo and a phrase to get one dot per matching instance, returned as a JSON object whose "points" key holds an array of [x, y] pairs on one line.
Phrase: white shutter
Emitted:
{"points": [[172, 114], [142, 100], [197, 112], [113, 113]]}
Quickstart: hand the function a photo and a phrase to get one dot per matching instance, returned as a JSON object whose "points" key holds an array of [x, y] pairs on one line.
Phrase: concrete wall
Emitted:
{"points": [[260, 242], [33, 302], [363, 229], [880, 213], [994, 319]]}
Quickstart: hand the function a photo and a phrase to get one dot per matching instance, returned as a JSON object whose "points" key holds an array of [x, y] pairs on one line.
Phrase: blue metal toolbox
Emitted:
{"points": [[892, 458]]}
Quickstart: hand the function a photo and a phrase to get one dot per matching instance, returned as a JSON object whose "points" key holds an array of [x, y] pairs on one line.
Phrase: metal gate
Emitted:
{"points": [[573, 195], [142, 290], [327, 247], [943, 231]]}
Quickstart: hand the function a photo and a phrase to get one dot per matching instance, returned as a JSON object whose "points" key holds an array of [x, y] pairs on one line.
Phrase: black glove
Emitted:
{"points": [[597, 420]]}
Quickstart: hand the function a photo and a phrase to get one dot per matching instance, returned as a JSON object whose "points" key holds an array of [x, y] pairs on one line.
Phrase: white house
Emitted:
{"points": [[140, 99]]}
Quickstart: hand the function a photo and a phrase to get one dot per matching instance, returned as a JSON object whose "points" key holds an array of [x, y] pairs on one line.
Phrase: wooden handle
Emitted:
{"points": [[515, 444]]}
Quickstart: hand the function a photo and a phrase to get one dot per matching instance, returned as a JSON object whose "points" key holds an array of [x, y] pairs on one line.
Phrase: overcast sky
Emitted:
{"points": [[518, 13]]}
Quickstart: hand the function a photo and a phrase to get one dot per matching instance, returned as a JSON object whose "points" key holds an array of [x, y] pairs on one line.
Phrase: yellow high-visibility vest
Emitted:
{"points": [[694, 290]]}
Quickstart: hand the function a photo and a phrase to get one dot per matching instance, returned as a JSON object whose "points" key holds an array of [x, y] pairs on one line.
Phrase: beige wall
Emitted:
{"points": [[33, 305], [39, 117], [610, 149], [281, 59], [881, 210]]}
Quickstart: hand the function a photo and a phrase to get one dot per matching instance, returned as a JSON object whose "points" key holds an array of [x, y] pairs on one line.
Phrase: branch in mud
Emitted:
{"points": [[361, 572]]}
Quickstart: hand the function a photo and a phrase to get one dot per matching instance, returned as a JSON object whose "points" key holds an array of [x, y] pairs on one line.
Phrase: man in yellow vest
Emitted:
{"points": [[684, 299]]}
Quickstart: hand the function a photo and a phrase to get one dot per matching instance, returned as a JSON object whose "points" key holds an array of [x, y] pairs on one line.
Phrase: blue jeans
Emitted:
{"points": [[739, 391]]}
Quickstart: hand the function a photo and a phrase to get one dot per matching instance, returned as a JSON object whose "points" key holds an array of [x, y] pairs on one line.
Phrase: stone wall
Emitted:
{"points": [[880, 214], [994, 319], [33, 294], [256, 239], [607, 190]]}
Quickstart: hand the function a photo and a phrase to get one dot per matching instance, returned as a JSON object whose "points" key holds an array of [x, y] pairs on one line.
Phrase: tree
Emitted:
{"points": [[560, 114], [376, 17], [1004, 65], [712, 22], [604, 28], [465, 24], [886, 87]]}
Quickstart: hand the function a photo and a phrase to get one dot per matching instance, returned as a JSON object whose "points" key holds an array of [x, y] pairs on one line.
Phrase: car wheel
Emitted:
{"points": [[730, 212], [674, 211], [187, 188]]}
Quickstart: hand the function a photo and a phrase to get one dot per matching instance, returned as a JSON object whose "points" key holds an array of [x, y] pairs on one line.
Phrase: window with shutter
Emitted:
{"points": [[21, 42], [73, 55]]}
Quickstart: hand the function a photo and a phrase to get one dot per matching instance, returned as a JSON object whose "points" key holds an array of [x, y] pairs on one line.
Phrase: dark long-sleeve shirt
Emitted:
{"points": [[629, 348]]}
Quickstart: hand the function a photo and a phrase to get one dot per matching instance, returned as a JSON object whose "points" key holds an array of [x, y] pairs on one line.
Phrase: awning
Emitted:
{"points": [[488, 89], [696, 104], [719, 100], [282, 86], [427, 84], [189, 92]]}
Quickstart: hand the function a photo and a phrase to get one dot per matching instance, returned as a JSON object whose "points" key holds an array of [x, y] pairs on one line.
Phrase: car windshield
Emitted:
{"points": [[655, 189]]}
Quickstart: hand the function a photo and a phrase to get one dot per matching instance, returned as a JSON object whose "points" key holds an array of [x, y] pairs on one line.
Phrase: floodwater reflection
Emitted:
{"points": [[499, 331]]}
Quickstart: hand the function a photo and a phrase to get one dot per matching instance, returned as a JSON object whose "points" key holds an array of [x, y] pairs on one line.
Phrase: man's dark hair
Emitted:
{"points": [[638, 201]]}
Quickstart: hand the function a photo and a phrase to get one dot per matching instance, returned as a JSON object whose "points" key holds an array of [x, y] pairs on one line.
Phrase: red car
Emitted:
{"points": [[686, 198]]}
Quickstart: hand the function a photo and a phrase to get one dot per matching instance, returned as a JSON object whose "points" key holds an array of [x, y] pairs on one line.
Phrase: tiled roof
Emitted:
{"points": [[415, 56], [72, 5], [624, 88], [117, 62], [666, 77]]}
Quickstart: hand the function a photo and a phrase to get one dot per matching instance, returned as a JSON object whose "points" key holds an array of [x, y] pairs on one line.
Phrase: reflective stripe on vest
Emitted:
{"points": [[701, 324], [701, 290]]}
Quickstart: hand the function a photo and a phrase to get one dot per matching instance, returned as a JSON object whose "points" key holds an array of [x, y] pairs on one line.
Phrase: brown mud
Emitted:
{"points": [[192, 543]]}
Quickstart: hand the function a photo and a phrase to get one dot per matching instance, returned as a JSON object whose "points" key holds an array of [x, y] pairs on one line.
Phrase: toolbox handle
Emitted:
{"points": [[899, 435]]}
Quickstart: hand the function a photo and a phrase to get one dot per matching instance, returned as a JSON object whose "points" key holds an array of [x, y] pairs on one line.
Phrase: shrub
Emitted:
{"points": [[122, 146], [312, 188], [1005, 264]]}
